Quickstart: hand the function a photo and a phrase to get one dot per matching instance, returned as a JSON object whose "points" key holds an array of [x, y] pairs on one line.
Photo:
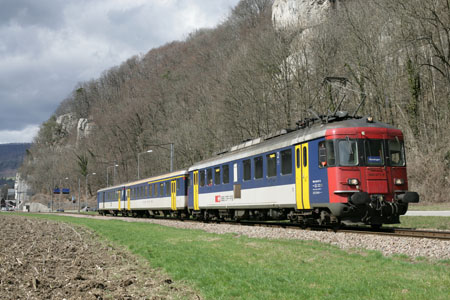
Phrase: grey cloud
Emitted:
{"points": [[46, 13], [48, 46]]}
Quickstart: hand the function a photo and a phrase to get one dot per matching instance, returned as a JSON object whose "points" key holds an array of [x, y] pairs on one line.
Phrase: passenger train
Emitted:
{"points": [[330, 170]]}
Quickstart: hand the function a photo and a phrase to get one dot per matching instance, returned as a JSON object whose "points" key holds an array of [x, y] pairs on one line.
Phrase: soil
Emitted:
{"points": [[42, 259]]}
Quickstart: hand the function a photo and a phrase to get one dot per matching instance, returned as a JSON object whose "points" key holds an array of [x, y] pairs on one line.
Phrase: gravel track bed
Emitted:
{"points": [[387, 245]]}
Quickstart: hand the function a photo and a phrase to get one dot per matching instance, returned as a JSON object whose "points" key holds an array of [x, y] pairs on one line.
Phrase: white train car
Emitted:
{"points": [[161, 195]]}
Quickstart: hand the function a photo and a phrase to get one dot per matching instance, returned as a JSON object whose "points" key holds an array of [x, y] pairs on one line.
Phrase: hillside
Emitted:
{"points": [[257, 72], [11, 157]]}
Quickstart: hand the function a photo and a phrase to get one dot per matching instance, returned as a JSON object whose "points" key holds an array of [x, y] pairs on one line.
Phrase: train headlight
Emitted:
{"points": [[370, 119], [399, 181], [352, 181]]}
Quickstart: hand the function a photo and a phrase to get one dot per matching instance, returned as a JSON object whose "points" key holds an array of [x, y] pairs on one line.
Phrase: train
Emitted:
{"points": [[329, 170]]}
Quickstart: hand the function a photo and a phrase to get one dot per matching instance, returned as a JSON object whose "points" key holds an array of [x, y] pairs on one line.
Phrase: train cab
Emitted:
{"points": [[366, 169]]}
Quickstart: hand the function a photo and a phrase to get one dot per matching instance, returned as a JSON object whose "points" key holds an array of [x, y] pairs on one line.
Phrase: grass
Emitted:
{"points": [[442, 223], [236, 267], [429, 206]]}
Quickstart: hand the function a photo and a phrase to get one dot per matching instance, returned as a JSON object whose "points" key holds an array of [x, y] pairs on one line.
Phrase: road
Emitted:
{"points": [[425, 213]]}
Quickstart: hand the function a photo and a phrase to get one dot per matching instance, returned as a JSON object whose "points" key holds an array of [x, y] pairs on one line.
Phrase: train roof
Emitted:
{"points": [[145, 180], [283, 139]]}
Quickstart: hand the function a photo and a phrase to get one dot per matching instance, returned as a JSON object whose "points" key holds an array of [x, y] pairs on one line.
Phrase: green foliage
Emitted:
{"points": [[82, 161], [236, 267]]}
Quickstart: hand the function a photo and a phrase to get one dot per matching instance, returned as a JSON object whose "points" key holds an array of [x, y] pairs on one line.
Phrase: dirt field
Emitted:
{"points": [[41, 259]]}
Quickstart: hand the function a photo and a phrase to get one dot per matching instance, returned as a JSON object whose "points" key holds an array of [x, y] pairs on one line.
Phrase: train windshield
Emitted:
{"points": [[374, 153], [348, 152], [396, 153]]}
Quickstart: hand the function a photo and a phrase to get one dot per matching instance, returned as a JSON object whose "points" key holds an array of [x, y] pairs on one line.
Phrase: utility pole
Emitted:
{"points": [[79, 199]]}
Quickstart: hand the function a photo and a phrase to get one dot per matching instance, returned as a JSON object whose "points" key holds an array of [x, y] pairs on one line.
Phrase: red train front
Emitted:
{"points": [[366, 169]]}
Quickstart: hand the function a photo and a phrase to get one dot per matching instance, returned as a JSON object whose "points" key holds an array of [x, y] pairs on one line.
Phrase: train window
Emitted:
{"points": [[226, 174], [217, 176], [202, 178], [374, 152], [271, 160], [348, 152], [161, 189], [258, 165], [286, 162], [150, 190], [247, 169], [322, 155], [178, 184], [305, 157], [155, 190], [168, 188], [209, 176], [396, 153]]}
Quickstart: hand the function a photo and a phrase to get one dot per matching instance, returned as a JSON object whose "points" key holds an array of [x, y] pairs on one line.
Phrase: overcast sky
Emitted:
{"points": [[48, 46]]}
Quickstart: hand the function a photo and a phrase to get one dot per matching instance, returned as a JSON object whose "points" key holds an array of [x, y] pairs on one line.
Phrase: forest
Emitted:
{"points": [[246, 78]]}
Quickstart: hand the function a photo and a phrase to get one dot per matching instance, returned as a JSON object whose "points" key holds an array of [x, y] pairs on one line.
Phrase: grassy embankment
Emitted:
{"points": [[429, 206], [236, 267], [442, 223]]}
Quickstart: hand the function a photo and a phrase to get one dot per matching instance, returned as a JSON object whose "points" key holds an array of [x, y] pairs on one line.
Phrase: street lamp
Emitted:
{"points": [[114, 175], [85, 200], [139, 154]]}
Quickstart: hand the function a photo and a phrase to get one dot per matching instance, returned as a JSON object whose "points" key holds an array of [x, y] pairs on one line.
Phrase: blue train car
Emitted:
{"points": [[161, 195]]}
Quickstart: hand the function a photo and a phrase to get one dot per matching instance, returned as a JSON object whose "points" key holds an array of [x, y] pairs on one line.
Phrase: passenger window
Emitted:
{"points": [[161, 189], [226, 174], [156, 190], [168, 188], [209, 176], [150, 190], [178, 184], [286, 162], [258, 165], [247, 169], [202, 178], [271, 160], [305, 157], [217, 176]]}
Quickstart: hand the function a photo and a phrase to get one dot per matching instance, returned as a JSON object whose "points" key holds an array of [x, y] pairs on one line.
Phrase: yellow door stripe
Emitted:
{"points": [[129, 198], [298, 177], [118, 199], [305, 176], [173, 185], [196, 206]]}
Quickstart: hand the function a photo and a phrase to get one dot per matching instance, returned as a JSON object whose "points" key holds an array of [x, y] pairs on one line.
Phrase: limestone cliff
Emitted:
{"points": [[301, 13]]}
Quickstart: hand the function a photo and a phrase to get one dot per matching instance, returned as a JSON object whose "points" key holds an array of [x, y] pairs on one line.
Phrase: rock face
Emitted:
{"points": [[84, 128], [301, 13], [67, 122]]}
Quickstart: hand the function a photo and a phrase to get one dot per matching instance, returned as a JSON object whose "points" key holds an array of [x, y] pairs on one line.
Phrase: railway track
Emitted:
{"points": [[386, 231]]}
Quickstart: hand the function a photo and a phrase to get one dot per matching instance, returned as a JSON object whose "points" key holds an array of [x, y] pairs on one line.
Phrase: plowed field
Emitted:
{"points": [[42, 259]]}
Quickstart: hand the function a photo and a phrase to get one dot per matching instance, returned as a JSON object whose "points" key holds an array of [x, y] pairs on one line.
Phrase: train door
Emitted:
{"points": [[173, 194], [128, 199], [118, 199], [302, 176], [196, 206]]}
